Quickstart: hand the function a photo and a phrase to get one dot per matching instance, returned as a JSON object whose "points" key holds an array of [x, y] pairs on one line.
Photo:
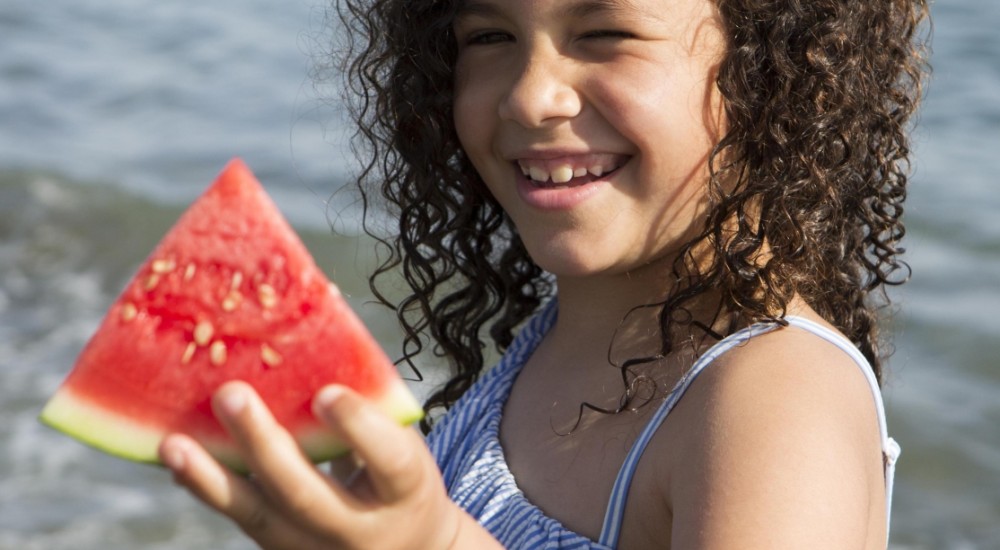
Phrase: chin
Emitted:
{"points": [[569, 265], [560, 264], [588, 262]]}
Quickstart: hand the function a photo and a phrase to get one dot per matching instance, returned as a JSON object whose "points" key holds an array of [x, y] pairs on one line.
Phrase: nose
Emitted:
{"points": [[541, 90]]}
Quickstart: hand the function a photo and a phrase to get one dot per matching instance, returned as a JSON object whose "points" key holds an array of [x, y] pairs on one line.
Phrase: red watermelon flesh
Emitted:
{"points": [[229, 293]]}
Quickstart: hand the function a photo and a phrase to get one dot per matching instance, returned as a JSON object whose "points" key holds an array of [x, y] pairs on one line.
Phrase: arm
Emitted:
{"points": [[398, 502], [783, 452]]}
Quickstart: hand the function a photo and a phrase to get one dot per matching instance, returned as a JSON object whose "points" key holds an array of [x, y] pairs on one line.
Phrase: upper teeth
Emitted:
{"points": [[561, 173]]}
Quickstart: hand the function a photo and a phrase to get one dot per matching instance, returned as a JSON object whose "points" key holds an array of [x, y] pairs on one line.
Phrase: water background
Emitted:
{"points": [[115, 114]]}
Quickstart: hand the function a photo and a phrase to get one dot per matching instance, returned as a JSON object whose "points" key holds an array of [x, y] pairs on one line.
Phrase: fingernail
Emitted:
{"points": [[174, 456], [233, 401], [325, 398]]}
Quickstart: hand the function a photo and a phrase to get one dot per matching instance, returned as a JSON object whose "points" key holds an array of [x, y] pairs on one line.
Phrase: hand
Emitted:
{"points": [[397, 501]]}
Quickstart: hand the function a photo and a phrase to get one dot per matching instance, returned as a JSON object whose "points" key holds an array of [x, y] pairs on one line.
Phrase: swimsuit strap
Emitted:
{"points": [[611, 529], [890, 449]]}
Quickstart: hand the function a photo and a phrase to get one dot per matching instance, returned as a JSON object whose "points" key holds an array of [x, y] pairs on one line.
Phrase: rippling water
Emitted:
{"points": [[115, 114]]}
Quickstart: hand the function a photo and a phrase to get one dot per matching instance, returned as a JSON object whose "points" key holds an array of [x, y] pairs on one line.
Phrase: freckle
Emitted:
{"points": [[217, 353], [203, 332]]}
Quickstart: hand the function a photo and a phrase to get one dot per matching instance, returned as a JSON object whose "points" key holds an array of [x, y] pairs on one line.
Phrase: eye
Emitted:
{"points": [[488, 37], [608, 34]]}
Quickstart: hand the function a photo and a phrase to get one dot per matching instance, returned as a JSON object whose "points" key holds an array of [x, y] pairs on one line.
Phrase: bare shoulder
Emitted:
{"points": [[782, 449]]}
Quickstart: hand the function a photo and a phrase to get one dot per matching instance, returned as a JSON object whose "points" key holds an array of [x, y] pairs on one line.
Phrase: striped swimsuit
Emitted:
{"points": [[466, 444]]}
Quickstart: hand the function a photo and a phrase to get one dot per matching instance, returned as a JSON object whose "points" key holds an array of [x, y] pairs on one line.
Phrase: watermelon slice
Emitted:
{"points": [[229, 293]]}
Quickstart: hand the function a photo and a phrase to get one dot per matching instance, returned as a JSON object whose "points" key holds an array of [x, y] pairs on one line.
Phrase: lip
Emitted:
{"points": [[549, 154], [560, 197]]}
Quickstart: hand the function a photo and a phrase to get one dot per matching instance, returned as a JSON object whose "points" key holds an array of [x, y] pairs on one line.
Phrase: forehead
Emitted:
{"points": [[577, 8], [675, 17]]}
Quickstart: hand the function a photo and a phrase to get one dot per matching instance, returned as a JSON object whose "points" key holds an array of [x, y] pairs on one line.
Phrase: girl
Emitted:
{"points": [[687, 212]]}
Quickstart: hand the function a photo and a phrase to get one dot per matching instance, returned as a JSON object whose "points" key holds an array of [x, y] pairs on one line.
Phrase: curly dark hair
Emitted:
{"points": [[806, 188]]}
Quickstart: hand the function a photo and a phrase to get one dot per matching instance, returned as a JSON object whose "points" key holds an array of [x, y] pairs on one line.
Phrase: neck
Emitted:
{"points": [[602, 313], [598, 314]]}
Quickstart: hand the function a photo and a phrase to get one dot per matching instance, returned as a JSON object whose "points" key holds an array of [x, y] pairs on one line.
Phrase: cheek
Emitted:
{"points": [[677, 123], [706, 109], [639, 100], [461, 119], [471, 137], [469, 108], [471, 127], [460, 103]]}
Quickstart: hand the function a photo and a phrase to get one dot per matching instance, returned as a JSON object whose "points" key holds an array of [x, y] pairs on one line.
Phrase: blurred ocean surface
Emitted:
{"points": [[115, 114]]}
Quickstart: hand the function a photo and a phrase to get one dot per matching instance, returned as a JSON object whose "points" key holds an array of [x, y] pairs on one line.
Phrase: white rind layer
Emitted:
{"points": [[119, 435]]}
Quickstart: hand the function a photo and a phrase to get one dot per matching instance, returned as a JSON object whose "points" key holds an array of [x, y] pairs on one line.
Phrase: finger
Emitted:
{"points": [[221, 489], [296, 486], [345, 467], [391, 453]]}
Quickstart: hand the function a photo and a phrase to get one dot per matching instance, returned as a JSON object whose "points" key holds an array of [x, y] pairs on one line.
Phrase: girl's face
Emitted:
{"points": [[591, 122]]}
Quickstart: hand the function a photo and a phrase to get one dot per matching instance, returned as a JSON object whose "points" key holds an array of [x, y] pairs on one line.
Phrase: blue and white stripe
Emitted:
{"points": [[466, 443]]}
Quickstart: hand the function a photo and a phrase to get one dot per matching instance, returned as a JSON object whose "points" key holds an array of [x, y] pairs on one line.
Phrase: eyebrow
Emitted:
{"points": [[475, 8], [579, 8]]}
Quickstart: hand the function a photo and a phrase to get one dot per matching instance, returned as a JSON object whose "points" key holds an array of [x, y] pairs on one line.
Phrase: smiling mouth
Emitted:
{"points": [[570, 172]]}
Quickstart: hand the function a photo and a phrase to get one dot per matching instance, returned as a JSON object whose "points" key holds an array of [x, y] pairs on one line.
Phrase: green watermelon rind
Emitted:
{"points": [[91, 424], [122, 436]]}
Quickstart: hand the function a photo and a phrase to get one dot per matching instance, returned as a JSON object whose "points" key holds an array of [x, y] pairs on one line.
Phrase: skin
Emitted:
{"points": [[397, 501], [776, 446], [561, 82]]}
